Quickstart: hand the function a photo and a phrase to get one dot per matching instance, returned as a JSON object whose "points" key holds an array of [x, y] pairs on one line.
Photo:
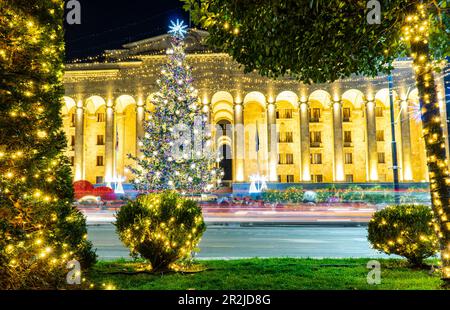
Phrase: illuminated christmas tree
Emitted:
{"points": [[176, 150], [40, 230]]}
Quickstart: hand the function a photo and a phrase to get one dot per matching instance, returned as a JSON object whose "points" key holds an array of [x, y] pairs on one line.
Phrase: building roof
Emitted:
{"points": [[194, 43]]}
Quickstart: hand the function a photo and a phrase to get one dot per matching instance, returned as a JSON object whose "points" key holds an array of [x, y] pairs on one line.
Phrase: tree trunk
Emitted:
{"points": [[432, 132]]}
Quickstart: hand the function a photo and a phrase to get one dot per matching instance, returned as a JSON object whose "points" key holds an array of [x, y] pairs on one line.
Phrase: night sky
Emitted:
{"points": [[108, 24]]}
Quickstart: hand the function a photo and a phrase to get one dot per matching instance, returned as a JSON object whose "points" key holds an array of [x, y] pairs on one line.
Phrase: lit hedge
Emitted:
{"points": [[162, 228], [404, 230]]}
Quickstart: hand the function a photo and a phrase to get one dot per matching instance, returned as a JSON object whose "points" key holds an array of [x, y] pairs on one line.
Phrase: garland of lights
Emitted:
{"points": [[177, 103], [416, 34]]}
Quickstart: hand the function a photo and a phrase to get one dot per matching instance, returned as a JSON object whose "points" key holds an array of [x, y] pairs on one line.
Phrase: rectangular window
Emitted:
{"points": [[349, 178], [289, 137], [289, 159], [379, 111], [348, 158], [279, 178], [285, 159], [380, 135], [314, 115], [100, 140], [100, 117], [315, 138], [72, 141], [381, 158], [98, 180], [99, 161], [290, 178], [348, 137], [316, 158], [284, 113], [72, 120], [285, 137], [72, 161], [346, 114], [318, 178]]}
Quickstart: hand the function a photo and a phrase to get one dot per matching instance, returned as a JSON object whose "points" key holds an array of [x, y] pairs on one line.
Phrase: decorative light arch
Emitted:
{"points": [[123, 102], [94, 103], [221, 96], [355, 97], [68, 105], [321, 96], [257, 97], [382, 96], [288, 96]]}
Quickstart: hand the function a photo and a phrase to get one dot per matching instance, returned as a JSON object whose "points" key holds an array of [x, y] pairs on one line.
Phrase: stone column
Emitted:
{"points": [[140, 132], [304, 141], [109, 144], [239, 142], [207, 110], [406, 141], [79, 142], [338, 142], [272, 141], [371, 135]]}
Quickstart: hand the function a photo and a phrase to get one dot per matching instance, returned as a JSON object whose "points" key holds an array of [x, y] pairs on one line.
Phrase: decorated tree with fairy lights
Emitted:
{"points": [[40, 230], [176, 153]]}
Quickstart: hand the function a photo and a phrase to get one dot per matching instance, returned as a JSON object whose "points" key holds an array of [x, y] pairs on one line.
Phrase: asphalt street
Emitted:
{"points": [[237, 241]]}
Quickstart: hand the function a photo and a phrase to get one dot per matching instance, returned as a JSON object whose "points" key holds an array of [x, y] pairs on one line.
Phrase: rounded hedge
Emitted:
{"points": [[161, 227], [405, 230]]}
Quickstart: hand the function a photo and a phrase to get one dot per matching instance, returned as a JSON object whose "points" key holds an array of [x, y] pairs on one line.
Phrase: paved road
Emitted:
{"points": [[243, 242], [301, 214]]}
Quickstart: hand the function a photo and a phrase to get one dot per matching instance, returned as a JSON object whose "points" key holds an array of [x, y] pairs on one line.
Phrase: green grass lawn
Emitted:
{"points": [[270, 274]]}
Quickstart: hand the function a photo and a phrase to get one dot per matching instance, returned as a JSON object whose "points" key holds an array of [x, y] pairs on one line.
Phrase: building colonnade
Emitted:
{"points": [[290, 137]]}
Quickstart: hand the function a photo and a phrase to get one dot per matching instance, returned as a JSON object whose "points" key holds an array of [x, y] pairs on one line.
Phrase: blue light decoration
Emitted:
{"points": [[178, 29], [415, 112]]}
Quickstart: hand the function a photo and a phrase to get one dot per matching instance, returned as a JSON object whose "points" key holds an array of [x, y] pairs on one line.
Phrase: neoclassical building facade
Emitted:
{"points": [[324, 133]]}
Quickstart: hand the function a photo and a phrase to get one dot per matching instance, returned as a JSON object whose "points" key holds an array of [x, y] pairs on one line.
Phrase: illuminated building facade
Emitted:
{"points": [[325, 133]]}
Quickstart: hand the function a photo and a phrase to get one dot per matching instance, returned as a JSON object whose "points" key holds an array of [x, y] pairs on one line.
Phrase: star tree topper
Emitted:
{"points": [[178, 29]]}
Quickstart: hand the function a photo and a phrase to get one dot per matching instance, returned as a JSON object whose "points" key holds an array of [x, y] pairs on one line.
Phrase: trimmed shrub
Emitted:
{"points": [[405, 230], [324, 195], [294, 194], [162, 228], [272, 196]]}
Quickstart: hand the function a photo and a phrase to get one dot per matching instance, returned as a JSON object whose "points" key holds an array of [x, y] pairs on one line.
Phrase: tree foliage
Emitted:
{"points": [[176, 149], [310, 40], [40, 230]]}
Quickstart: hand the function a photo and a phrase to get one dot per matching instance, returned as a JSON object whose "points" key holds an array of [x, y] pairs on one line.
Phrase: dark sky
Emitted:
{"points": [[107, 24]]}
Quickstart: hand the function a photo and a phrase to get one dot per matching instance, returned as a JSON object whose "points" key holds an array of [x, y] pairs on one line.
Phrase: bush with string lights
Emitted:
{"points": [[40, 230], [405, 230], [163, 228]]}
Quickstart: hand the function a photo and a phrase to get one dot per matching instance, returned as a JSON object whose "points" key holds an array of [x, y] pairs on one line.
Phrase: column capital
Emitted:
{"points": [[271, 103], [338, 102]]}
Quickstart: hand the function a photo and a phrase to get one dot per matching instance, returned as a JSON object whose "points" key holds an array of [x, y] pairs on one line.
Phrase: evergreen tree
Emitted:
{"points": [[176, 150], [40, 230]]}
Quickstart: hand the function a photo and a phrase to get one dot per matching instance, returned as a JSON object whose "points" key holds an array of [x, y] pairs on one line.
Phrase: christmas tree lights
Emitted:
{"points": [[176, 151], [40, 230], [416, 34]]}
